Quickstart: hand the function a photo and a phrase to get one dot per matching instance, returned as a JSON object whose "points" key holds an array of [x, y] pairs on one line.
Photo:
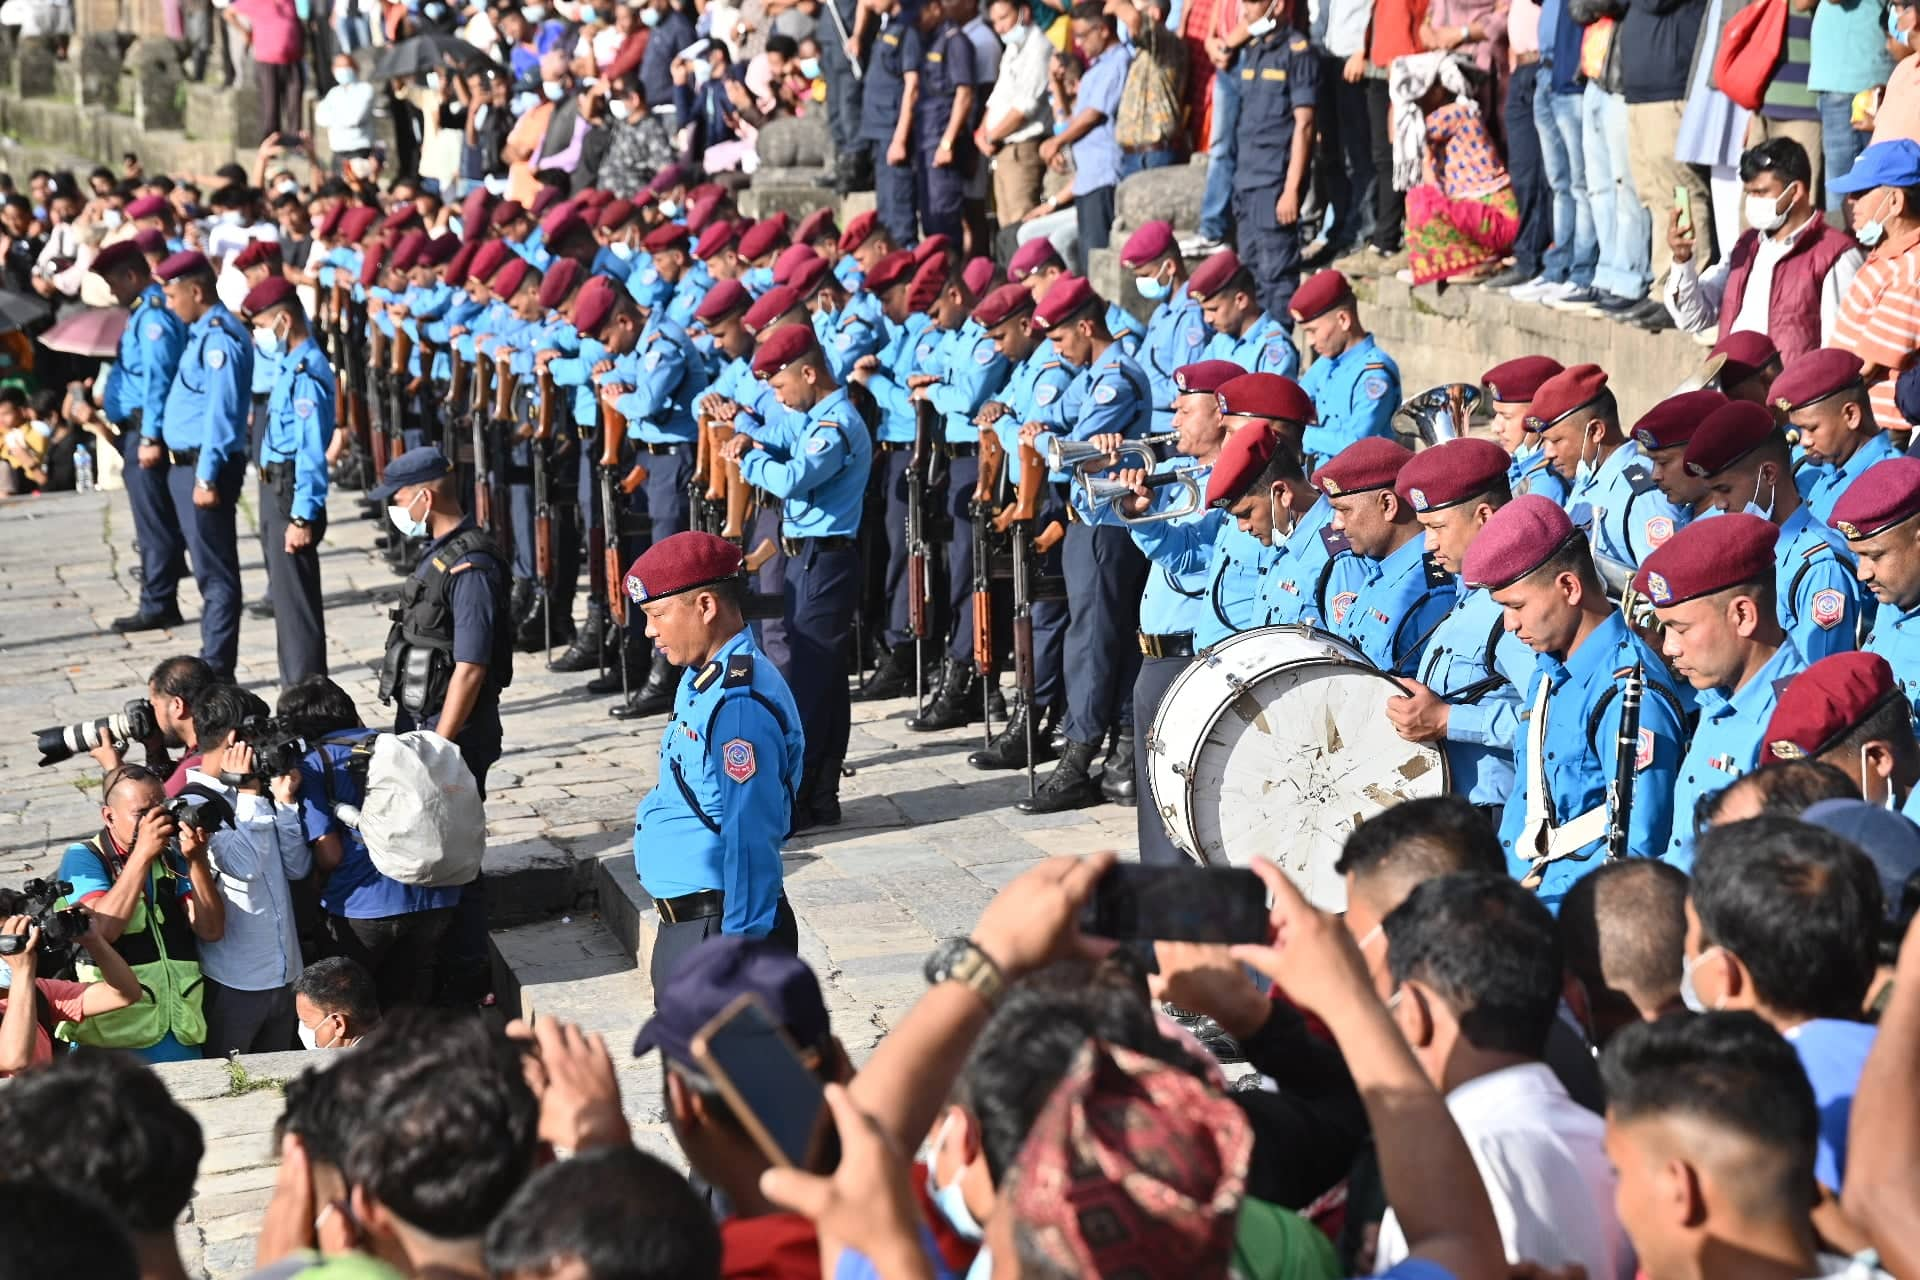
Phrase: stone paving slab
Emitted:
{"points": [[925, 843]]}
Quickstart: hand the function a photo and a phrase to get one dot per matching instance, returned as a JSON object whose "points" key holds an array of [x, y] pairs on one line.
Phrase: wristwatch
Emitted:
{"points": [[961, 960], [298, 522]]}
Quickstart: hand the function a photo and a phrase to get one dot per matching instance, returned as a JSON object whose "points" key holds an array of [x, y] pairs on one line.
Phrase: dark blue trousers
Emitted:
{"points": [[895, 196], [1105, 576], [520, 508], [822, 587], [163, 547], [1148, 688], [214, 548], [894, 485], [772, 580], [939, 192], [1270, 251], [1529, 172]]}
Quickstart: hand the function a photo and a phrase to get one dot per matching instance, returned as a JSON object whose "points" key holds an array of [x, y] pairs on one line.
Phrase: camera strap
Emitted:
{"points": [[213, 803]]}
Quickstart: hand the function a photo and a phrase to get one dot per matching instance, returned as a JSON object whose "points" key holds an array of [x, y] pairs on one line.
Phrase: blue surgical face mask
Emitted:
{"points": [[650, 17], [1753, 507], [553, 90], [949, 1199], [1871, 232], [622, 250], [268, 341], [759, 279], [810, 68], [403, 520], [1153, 288], [669, 209], [1689, 994]]}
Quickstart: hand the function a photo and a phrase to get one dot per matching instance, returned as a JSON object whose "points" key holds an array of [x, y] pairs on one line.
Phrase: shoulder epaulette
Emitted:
{"points": [[1638, 478], [739, 671], [1436, 573], [1053, 364], [1819, 545], [706, 676]]}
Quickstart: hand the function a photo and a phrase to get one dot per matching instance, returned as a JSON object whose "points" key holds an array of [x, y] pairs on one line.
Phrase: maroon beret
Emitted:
{"points": [[715, 238], [1708, 556], [1243, 457], [148, 207], [703, 209], [764, 237], [563, 275], [683, 562], [895, 268], [1825, 703], [1002, 305], [860, 229], [329, 223], [978, 275], [1319, 294], [593, 305], [462, 263], [1747, 353], [1563, 394], [1153, 241], [929, 282], [407, 250], [725, 298], [817, 225], [404, 218], [934, 246], [1372, 463], [1205, 377], [188, 262], [1672, 422], [543, 200], [1451, 473], [152, 243], [557, 216], [373, 260], [272, 292], [356, 222], [1885, 494], [670, 235], [121, 253], [1033, 256], [473, 212], [771, 305], [487, 259], [439, 250], [1519, 538], [594, 198], [1214, 275], [704, 190], [614, 215], [1727, 435], [1813, 377], [512, 274], [1266, 395], [507, 211], [781, 348], [806, 279], [790, 260], [1066, 298], [565, 228]]}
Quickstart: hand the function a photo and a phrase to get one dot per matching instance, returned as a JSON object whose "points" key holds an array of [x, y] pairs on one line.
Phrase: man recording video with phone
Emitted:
{"points": [[33, 1004], [171, 691], [150, 884]]}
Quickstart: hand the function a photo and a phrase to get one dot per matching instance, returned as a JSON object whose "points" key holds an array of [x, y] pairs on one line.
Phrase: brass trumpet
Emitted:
{"points": [[1441, 413]]}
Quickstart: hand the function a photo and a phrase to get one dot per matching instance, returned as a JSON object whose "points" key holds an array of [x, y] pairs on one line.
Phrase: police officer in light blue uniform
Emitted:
{"points": [[1039, 266], [1315, 575], [1537, 564], [822, 479], [1510, 388], [1242, 332], [1177, 331], [886, 124], [1611, 493], [1711, 589], [300, 415], [706, 839], [134, 402], [1465, 691], [1279, 81], [1105, 570], [1824, 400], [847, 333], [1408, 592], [1875, 515], [1745, 463], [573, 375], [1354, 384], [205, 435]]}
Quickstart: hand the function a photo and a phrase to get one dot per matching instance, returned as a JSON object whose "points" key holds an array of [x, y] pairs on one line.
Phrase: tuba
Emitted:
{"points": [[1616, 579], [1441, 413]]}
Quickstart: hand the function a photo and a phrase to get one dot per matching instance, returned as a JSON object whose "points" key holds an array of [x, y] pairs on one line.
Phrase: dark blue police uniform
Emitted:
{"points": [[883, 95], [944, 59], [1278, 74]]}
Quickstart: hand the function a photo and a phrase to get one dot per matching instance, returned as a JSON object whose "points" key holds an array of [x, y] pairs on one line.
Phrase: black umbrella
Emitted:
{"points": [[22, 310], [430, 52]]}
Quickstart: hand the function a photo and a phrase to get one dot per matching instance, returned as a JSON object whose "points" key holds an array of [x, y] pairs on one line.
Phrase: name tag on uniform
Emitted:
{"points": [[1272, 73]]}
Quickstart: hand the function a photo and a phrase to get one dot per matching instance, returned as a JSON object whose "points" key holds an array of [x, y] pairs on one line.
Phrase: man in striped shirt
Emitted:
{"points": [[1880, 316]]}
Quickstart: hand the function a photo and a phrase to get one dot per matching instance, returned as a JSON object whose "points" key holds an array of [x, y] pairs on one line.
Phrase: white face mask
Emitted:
{"points": [[1689, 994], [1872, 231], [404, 521], [1017, 36], [310, 1039], [268, 340], [622, 250], [619, 108], [702, 71], [433, 81], [111, 218], [553, 90], [669, 208], [345, 75], [1764, 213], [1262, 27]]}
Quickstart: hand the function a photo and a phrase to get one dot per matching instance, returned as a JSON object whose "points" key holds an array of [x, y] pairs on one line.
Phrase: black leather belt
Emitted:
{"points": [[1177, 645], [798, 546], [893, 446], [691, 906], [183, 457], [962, 449], [272, 471], [648, 446]]}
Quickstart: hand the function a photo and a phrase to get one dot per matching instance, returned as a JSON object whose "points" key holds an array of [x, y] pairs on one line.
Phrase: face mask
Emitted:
{"points": [[287, 188], [619, 109], [649, 17], [1262, 27], [669, 209], [403, 520], [1871, 232], [1581, 469], [810, 68], [433, 81], [1153, 288], [268, 341], [1753, 507], [1764, 213], [535, 13], [111, 218], [553, 90], [622, 250], [229, 219], [307, 1038], [949, 1199], [1689, 994], [435, 12], [1016, 35], [702, 71], [759, 279], [345, 75]]}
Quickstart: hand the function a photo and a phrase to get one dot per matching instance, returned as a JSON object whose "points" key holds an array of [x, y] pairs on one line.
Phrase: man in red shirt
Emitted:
{"points": [[273, 32]]}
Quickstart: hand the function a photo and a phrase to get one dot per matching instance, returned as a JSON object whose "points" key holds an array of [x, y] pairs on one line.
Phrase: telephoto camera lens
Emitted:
{"points": [[135, 722]]}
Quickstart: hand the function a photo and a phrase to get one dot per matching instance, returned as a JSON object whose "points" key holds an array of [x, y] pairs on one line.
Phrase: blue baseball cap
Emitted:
{"points": [[1895, 163], [415, 466], [719, 971], [1889, 839]]}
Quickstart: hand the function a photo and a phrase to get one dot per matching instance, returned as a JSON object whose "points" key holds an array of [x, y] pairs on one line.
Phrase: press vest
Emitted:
{"points": [[158, 944]]}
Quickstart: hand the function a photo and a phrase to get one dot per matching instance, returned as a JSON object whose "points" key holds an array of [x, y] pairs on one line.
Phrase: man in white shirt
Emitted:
{"points": [[1476, 963], [1786, 259], [346, 113], [259, 847], [1019, 112]]}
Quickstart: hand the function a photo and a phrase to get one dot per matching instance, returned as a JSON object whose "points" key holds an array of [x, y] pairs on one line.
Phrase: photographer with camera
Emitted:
{"points": [[171, 691], [33, 1005], [150, 885], [248, 787]]}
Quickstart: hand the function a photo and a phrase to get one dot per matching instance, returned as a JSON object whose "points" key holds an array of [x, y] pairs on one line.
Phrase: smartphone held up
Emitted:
{"points": [[1134, 902]]}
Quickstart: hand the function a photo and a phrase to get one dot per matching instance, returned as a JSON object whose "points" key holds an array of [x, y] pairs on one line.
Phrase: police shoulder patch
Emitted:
{"points": [[1104, 393], [651, 360], [1643, 750], [154, 332], [1279, 351], [739, 671], [984, 353], [1045, 394], [1196, 334], [1828, 606], [216, 358], [736, 757], [1374, 386], [1343, 602], [1659, 529], [303, 407]]}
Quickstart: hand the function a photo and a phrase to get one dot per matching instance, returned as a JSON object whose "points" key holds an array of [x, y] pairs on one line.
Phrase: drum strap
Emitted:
{"points": [[1539, 836]]}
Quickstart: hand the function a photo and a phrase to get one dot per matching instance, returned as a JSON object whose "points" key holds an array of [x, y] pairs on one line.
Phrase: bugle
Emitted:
{"points": [[1441, 413]]}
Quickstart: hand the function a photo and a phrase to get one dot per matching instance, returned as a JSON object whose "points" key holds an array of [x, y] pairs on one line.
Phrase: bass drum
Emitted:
{"points": [[1276, 743]]}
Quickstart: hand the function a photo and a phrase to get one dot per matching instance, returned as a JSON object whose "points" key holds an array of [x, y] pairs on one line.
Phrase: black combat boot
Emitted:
{"points": [[1071, 785], [655, 696], [584, 653], [894, 679], [520, 600], [956, 705], [820, 806], [1116, 778], [1008, 750], [638, 665]]}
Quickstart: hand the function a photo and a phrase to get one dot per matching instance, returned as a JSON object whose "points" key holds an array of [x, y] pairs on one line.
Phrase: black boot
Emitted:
{"points": [[1116, 778], [584, 653], [894, 679], [148, 621], [1008, 750], [957, 703], [1070, 785], [521, 600], [996, 703], [663, 680], [819, 802], [638, 666]]}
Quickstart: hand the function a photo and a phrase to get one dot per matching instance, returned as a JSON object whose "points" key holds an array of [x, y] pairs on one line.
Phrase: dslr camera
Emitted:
{"points": [[135, 722], [186, 813], [60, 930], [277, 749]]}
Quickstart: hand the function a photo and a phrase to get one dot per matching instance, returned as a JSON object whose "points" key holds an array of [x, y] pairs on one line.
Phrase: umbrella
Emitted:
{"points": [[87, 331], [429, 52], [22, 310]]}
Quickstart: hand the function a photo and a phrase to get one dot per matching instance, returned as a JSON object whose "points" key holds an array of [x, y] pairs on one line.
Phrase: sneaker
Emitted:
{"points": [[1616, 306], [1578, 300], [1541, 290], [1200, 246], [1511, 278]]}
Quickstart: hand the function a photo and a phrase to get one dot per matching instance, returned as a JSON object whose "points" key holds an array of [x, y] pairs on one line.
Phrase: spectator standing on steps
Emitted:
{"points": [[1090, 131], [1018, 112], [274, 38]]}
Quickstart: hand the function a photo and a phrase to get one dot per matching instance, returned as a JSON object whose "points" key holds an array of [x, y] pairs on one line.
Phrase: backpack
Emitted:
{"points": [[1151, 116], [420, 813]]}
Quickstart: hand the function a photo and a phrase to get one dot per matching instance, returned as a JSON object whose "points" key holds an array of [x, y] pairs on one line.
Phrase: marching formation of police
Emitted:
{"points": [[791, 459]]}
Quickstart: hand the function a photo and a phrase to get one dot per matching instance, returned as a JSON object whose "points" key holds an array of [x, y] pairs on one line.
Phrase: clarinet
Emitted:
{"points": [[1626, 750]]}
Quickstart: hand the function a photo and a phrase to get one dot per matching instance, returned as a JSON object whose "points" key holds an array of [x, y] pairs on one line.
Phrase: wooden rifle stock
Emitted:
{"points": [[483, 513], [739, 502], [542, 500], [402, 351], [543, 421], [503, 387], [613, 429], [458, 373], [1026, 502], [993, 457], [762, 553], [711, 469]]}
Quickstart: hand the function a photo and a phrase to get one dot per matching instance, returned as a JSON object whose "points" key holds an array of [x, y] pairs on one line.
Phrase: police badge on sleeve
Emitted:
{"points": [[736, 757]]}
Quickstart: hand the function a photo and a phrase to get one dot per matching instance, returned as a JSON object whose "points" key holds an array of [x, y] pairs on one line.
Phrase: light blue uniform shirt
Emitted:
{"points": [[1266, 347], [143, 368], [211, 396], [1624, 513], [666, 375], [1033, 393], [845, 338], [823, 481], [1821, 486], [971, 371], [1820, 600], [1316, 577], [1726, 744], [1177, 334], [1395, 613], [301, 411], [1529, 473], [1479, 668], [1896, 637], [1355, 394], [889, 382]]}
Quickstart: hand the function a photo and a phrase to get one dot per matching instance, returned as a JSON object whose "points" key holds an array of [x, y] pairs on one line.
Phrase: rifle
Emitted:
{"points": [[993, 458], [1626, 753], [352, 363], [483, 513], [499, 441], [543, 507], [375, 385], [1017, 520], [613, 429], [459, 373], [397, 387], [706, 484], [919, 547]]}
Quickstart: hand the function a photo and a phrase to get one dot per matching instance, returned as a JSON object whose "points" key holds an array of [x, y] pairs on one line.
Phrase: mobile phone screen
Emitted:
{"points": [[1178, 904], [749, 1054], [1683, 201]]}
